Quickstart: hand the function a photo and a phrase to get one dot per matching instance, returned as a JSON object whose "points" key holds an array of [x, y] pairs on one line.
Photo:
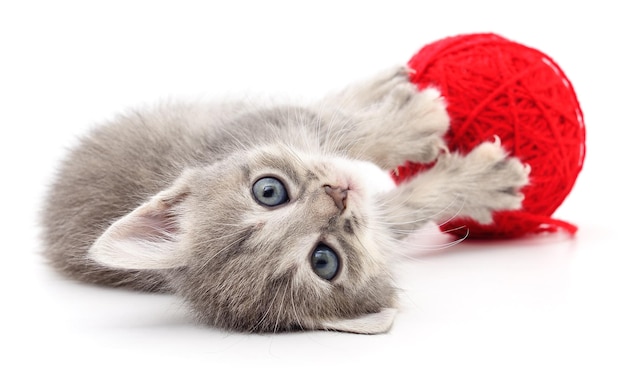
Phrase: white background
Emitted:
{"points": [[545, 310]]}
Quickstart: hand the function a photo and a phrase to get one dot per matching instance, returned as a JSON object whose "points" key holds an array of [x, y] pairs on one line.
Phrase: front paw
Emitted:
{"points": [[494, 181], [394, 121], [418, 119]]}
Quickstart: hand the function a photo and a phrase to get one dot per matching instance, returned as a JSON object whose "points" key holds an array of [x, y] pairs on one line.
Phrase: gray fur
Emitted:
{"points": [[161, 200]]}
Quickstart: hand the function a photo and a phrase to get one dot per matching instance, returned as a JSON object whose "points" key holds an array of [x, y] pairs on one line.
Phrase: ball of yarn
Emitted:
{"points": [[494, 86]]}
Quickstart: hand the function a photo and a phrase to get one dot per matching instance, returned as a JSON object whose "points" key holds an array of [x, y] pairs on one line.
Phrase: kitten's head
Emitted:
{"points": [[264, 241]]}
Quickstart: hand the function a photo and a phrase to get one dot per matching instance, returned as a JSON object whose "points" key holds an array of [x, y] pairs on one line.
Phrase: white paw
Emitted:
{"points": [[418, 118], [403, 122], [425, 110], [494, 181]]}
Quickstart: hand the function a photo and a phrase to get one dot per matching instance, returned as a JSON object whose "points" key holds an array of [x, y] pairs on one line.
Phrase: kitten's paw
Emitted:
{"points": [[418, 119], [395, 121], [495, 180]]}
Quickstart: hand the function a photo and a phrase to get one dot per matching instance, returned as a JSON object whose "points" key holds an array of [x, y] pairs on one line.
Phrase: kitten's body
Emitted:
{"points": [[164, 200]]}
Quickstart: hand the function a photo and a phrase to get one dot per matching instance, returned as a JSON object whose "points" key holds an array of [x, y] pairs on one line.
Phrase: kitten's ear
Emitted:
{"points": [[148, 237], [373, 323]]}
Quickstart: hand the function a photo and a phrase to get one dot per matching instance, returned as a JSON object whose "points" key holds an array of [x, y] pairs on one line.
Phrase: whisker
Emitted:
{"points": [[293, 306], [269, 308], [219, 252], [280, 310]]}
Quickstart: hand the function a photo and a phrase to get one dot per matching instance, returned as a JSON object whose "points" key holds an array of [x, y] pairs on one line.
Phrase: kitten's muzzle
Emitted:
{"points": [[339, 196]]}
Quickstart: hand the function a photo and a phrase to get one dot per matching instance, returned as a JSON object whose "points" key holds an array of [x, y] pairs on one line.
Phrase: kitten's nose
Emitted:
{"points": [[338, 194]]}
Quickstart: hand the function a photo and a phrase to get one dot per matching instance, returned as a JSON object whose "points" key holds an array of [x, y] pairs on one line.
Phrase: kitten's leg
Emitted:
{"points": [[387, 120], [473, 186]]}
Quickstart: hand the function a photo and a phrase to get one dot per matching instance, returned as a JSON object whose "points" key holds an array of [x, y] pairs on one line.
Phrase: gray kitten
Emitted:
{"points": [[270, 219]]}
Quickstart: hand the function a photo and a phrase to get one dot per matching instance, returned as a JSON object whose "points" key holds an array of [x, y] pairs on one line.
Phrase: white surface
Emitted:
{"points": [[549, 310]]}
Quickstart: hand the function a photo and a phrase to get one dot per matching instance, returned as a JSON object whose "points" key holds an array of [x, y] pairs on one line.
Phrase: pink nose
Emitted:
{"points": [[338, 194]]}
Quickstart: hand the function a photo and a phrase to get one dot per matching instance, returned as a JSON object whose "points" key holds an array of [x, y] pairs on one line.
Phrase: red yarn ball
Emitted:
{"points": [[494, 86]]}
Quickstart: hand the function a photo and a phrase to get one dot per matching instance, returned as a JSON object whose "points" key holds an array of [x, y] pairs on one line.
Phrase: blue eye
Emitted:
{"points": [[270, 192], [325, 262]]}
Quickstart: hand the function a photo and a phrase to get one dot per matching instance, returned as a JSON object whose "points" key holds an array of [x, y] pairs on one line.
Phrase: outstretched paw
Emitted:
{"points": [[394, 121], [495, 181], [418, 119]]}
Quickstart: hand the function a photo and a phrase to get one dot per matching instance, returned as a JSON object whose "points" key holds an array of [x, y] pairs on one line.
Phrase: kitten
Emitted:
{"points": [[270, 219]]}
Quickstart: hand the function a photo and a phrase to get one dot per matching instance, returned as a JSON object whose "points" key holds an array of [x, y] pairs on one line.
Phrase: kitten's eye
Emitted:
{"points": [[325, 262], [270, 192]]}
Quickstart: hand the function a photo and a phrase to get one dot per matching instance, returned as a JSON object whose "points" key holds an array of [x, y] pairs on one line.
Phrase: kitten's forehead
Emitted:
{"points": [[306, 166], [287, 160]]}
